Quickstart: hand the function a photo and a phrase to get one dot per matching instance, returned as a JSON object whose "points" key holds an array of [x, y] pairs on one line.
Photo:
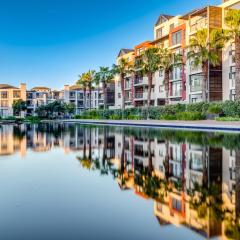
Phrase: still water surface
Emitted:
{"points": [[69, 181]]}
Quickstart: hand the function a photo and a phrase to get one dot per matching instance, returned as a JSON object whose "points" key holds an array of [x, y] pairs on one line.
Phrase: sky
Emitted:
{"points": [[50, 42]]}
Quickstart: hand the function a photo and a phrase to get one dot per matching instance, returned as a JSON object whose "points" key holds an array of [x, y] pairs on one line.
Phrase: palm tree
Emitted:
{"points": [[90, 78], [232, 20], [168, 60], [83, 84], [122, 69], [104, 76], [148, 64], [204, 49]]}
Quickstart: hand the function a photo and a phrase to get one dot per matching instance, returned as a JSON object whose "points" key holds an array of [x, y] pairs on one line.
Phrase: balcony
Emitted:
{"points": [[143, 95], [141, 81], [138, 95], [101, 101], [176, 94], [198, 24], [138, 81], [197, 88], [128, 85], [175, 77]]}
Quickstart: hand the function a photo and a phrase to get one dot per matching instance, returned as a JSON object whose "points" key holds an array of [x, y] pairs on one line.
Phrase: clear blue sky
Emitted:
{"points": [[50, 42]]}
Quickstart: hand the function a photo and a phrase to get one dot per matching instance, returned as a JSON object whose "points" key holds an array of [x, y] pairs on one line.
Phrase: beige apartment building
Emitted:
{"points": [[9, 94], [40, 96], [174, 33]]}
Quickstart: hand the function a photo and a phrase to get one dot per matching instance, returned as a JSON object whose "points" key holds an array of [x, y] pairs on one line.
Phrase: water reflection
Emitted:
{"points": [[192, 177]]}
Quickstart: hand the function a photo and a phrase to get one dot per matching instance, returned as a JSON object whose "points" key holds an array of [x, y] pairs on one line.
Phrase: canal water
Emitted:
{"points": [[71, 181]]}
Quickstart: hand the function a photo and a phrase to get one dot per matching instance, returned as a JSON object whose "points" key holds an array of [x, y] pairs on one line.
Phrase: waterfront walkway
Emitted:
{"points": [[206, 125]]}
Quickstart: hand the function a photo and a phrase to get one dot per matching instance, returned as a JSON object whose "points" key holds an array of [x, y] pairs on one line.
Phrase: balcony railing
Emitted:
{"points": [[138, 95], [100, 101], [138, 80], [232, 83], [128, 85], [177, 93], [196, 88]]}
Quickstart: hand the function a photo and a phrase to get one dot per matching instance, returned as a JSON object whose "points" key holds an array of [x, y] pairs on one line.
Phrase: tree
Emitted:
{"points": [[204, 49], [104, 76], [19, 106], [168, 60], [69, 108], [90, 79], [52, 110], [232, 20], [83, 84], [122, 69], [148, 64]]}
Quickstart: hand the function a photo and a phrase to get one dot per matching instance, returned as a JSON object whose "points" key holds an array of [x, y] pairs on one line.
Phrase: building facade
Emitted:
{"points": [[9, 94], [41, 96], [185, 85]]}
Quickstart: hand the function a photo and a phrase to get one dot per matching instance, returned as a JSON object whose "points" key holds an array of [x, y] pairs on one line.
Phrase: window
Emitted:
{"points": [[4, 103], [16, 94], [4, 94], [195, 83], [161, 73], [161, 88], [177, 38], [177, 205], [171, 26], [177, 89], [80, 95], [119, 95], [159, 33]]}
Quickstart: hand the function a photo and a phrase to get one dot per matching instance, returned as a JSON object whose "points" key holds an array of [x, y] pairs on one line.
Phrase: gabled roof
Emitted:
{"points": [[186, 16], [41, 88], [7, 86], [124, 51], [163, 18], [75, 87]]}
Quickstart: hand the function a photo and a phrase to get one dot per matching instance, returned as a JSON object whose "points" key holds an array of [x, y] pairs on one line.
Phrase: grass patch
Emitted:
{"points": [[227, 119]]}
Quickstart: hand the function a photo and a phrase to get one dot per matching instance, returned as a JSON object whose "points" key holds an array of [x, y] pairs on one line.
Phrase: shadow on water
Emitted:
{"points": [[192, 177]]}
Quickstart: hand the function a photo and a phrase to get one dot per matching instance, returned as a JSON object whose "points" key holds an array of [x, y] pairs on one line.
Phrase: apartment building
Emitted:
{"points": [[76, 96], [127, 54], [185, 85], [110, 96], [40, 96], [9, 94]]}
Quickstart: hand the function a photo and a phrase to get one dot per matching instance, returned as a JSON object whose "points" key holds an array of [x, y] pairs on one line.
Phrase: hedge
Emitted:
{"points": [[194, 111]]}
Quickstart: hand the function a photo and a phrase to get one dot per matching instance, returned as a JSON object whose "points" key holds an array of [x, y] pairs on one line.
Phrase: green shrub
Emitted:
{"points": [[230, 119], [190, 116], [194, 111], [197, 107], [10, 118], [231, 108], [32, 119], [168, 117], [134, 117], [215, 108], [115, 117]]}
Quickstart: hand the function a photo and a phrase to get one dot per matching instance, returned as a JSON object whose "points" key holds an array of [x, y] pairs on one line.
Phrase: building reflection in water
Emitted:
{"points": [[192, 177]]}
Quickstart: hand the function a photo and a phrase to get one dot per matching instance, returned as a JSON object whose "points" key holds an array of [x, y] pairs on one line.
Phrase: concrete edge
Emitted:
{"points": [[182, 126]]}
